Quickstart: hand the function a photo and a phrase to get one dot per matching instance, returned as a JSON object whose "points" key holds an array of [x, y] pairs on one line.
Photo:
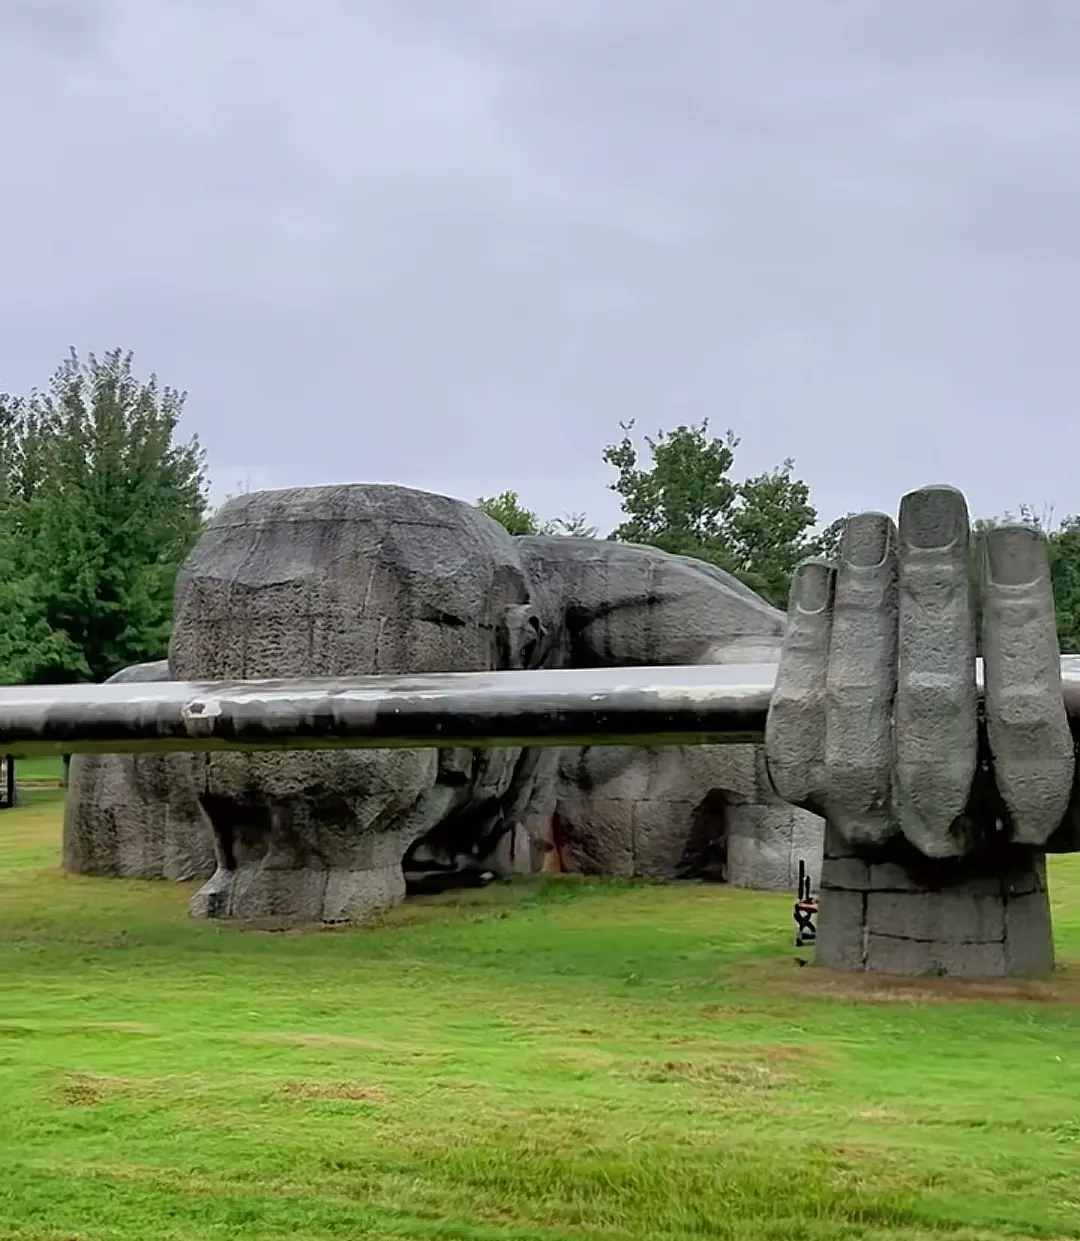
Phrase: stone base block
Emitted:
{"points": [[904, 914]]}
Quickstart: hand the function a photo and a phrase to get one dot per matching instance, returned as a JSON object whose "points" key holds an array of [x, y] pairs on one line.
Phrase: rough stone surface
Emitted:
{"points": [[618, 604], [514, 854], [987, 915], [663, 812], [674, 812], [345, 581], [646, 813], [384, 580], [137, 816], [939, 809]]}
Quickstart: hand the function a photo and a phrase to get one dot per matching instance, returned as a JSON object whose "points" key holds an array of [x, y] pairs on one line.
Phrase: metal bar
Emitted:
{"points": [[635, 706], [708, 704]]}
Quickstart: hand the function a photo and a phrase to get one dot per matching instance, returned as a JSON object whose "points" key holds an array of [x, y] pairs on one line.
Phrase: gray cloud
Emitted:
{"points": [[64, 27], [453, 245]]}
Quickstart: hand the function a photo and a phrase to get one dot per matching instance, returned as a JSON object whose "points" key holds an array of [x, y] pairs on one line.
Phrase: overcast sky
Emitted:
{"points": [[451, 243]]}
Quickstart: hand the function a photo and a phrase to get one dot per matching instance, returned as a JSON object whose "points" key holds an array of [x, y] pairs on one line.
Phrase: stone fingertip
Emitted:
{"points": [[867, 540], [934, 519], [1016, 556], [812, 587]]}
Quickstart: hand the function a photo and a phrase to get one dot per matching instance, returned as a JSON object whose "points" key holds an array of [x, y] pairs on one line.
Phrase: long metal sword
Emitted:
{"points": [[700, 705]]}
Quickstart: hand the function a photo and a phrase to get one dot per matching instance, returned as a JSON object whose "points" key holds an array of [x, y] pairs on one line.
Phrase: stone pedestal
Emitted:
{"points": [[905, 914]]}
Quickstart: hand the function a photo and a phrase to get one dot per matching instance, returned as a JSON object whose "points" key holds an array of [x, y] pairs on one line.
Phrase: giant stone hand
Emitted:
{"points": [[939, 806]]}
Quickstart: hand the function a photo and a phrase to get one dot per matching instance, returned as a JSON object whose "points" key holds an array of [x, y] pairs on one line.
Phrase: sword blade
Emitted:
{"points": [[713, 704]]}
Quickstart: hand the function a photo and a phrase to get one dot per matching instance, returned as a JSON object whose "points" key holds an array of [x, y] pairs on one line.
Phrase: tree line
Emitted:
{"points": [[677, 493], [101, 500], [680, 495], [100, 503]]}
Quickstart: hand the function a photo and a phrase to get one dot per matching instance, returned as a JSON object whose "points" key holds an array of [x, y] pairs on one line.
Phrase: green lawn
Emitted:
{"points": [[42, 769], [564, 1060]]}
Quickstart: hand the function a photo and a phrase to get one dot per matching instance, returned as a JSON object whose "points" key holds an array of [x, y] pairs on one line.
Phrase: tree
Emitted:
{"points": [[684, 501], [101, 506], [771, 528], [828, 541], [572, 526], [27, 642], [509, 512], [512, 515], [1064, 548]]}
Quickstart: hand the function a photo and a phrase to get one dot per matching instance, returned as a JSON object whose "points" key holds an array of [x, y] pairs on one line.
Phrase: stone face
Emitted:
{"points": [[937, 814], [345, 581], [618, 604], [137, 816], [671, 811]]}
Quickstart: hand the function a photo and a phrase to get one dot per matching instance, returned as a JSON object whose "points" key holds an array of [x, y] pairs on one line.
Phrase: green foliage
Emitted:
{"points": [[684, 501], [1065, 574], [828, 541], [510, 513], [99, 506], [771, 529], [514, 517], [572, 526]]}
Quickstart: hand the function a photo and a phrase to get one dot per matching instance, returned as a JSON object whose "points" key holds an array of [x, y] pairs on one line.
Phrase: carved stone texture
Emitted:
{"points": [[767, 838], [137, 816], [376, 579], [895, 911], [940, 810], [330, 581], [652, 813], [662, 812], [621, 605], [672, 812]]}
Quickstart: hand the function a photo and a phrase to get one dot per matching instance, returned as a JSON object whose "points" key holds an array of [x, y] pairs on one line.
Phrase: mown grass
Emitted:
{"points": [[41, 769], [541, 1062]]}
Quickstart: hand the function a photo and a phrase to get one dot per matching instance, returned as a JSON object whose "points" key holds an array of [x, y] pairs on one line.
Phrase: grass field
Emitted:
{"points": [[564, 1060], [42, 769]]}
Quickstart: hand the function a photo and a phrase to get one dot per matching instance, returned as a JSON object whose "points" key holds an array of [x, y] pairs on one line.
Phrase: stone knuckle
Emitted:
{"points": [[1027, 708], [861, 594], [918, 699]]}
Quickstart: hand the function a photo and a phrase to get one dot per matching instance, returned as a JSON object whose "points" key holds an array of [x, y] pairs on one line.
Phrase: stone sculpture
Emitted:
{"points": [[137, 816], [677, 812], [346, 581], [380, 579], [940, 810], [662, 812]]}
